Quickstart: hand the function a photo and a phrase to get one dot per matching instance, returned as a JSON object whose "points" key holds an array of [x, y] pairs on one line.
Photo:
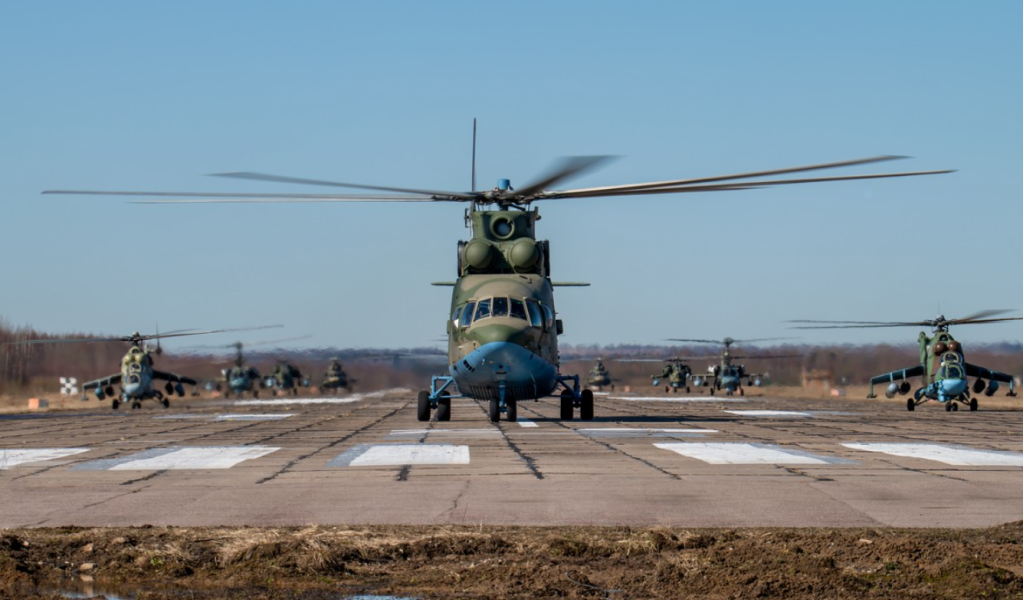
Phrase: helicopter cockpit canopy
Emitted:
{"points": [[538, 315]]}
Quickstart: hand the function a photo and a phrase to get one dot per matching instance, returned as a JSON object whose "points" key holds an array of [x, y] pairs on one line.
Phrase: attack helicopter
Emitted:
{"points": [[285, 378], [502, 329], [137, 376], [942, 369], [727, 375]]}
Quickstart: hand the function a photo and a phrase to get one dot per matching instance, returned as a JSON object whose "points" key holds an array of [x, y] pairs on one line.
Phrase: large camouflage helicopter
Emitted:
{"points": [[137, 376], [726, 375], [942, 369], [502, 330]]}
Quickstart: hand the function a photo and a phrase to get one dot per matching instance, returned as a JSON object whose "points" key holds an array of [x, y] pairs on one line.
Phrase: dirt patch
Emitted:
{"points": [[514, 562]]}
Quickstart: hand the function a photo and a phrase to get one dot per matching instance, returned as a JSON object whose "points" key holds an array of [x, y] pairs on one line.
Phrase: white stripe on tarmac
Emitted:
{"points": [[648, 430], [325, 400], [223, 457], [14, 457], [412, 454], [526, 423], [245, 417], [448, 432], [951, 455], [743, 454], [768, 413], [678, 398]]}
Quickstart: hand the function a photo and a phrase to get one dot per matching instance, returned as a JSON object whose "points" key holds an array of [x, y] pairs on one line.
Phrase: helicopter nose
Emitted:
{"points": [[953, 387], [498, 332]]}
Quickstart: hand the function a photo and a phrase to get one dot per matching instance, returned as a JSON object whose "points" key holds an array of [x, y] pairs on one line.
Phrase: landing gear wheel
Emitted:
{"points": [[666, 389], [115, 403], [741, 391], [911, 404], [136, 405], [444, 407], [166, 403], [974, 404], [565, 412], [511, 411], [587, 405], [494, 410], [949, 406], [712, 391], [956, 407], [423, 406], [687, 389]]}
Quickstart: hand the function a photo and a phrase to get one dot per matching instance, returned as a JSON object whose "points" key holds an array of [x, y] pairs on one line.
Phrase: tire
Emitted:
{"points": [[444, 408], [494, 410], [115, 403], [565, 412], [712, 390], [687, 389], [911, 404], [956, 407], [166, 403], [741, 391], [511, 411], [423, 406], [949, 406], [974, 404], [587, 406]]}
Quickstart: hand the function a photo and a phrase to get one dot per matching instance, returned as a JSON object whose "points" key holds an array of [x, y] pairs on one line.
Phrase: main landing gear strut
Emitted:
{"points": [[439, 399]]}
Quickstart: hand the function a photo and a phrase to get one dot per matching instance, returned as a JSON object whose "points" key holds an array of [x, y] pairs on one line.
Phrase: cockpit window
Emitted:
{"points": [[483, 309], [456, 313], [467, 315], [499, 307], [517, 309], [549, 316], [536, 315]]}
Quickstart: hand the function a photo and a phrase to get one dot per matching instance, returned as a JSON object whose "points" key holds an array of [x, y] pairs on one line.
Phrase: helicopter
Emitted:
{"points": [[335, 377], [502, 329], [942, 369], [599, 376], [286, 377], [727, 375], [137, 376]]}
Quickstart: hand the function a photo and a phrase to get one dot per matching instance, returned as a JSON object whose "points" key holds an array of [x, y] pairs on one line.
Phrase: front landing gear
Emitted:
{"points": [[438, 399], [572, 398]]}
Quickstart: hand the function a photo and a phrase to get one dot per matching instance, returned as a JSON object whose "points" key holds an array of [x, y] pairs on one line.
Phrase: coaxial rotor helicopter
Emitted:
{"points": [[942, 369], [502, 328], [137, 376], [726, 375]]}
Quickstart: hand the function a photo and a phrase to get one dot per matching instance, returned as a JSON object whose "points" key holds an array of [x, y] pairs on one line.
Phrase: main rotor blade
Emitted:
{"points": [[682, 182], [982, 321], [567, 168], [253, 198], [66, 341], [980, 315], [919, 324], [768, 356], [301, 181], [183, 334], [642, 189], [696, 341]]}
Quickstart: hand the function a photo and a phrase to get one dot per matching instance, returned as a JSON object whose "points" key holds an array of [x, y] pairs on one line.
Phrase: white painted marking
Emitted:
{"points": [[526, 423], [223, 457], [325, 400], [768, 413], [448, 432], [678, 398], [413, 454], [601, 393], [741, 454], [951, 455], [259, 417], [649, 429], [14, 457]]}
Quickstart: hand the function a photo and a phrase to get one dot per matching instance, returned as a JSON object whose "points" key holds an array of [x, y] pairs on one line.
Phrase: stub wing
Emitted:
{"points": [[899, 375], [102, 383], [173, 378], [976, 371]]}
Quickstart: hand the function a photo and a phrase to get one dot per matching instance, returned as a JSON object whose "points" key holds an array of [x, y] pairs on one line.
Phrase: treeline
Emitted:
{"points": [[36, 368]]}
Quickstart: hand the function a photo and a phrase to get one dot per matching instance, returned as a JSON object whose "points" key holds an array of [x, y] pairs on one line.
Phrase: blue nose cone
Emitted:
{"points": [[730, 383], [133, 389], [951, 388]]}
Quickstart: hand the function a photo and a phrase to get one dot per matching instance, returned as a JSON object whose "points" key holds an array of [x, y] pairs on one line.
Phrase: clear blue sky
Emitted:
{"points": [[153, 95]]}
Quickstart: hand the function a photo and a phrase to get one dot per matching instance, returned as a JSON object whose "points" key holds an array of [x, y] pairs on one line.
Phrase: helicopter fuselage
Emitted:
{"points": [[503, 336]]}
